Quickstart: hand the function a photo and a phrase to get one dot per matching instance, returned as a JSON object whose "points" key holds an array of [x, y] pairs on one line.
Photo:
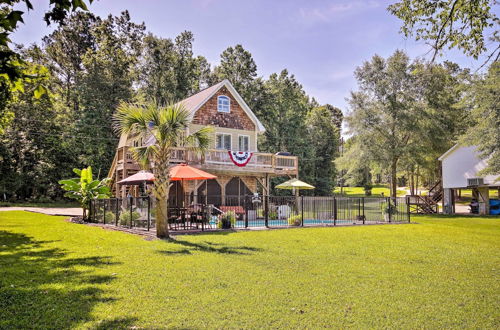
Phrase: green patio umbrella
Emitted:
{"points": [[294, 184]]}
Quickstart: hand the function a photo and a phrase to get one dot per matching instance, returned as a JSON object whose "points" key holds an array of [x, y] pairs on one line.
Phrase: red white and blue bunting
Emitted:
{"points": [[240, 158]]}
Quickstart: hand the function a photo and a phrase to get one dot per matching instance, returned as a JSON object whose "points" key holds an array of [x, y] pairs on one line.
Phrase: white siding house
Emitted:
{"points": [[460, 166]]}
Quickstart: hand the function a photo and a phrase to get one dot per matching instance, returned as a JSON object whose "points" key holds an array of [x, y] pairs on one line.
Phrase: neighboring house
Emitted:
{"points": [[236, 128], [460, 168]]}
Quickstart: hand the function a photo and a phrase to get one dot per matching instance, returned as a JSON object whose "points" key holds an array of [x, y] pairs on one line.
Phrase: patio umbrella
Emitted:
{"points": [[138, 178], [294, 184], [185, 172]]}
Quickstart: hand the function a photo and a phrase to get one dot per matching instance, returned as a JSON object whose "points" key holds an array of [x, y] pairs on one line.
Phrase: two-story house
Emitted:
{"points": [[236, 128]]}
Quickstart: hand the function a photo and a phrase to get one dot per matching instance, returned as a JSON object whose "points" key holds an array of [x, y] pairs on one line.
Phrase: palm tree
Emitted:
{"points": [[163, 128]]}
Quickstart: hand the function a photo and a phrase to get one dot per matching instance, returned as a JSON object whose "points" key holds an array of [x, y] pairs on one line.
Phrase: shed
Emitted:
{"points": [[460, 170]]}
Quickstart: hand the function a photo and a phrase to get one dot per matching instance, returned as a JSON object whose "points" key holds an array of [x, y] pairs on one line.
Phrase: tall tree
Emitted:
{"points": [[484, 133], [108, 78], [13, 69], [165, 126], [384, 111], [323, 128], [238, 66], [468, 25], [169, 71]]}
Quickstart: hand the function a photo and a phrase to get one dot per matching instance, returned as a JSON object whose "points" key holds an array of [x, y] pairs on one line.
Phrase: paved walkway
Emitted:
{"points": [[69, 211]]}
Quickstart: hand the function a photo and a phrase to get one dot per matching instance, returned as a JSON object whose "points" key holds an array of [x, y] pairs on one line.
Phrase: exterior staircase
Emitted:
{"points": [[420, 204]]}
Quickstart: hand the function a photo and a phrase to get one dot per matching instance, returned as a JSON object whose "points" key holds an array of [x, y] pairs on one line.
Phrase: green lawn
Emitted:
{"points": [[440, 273], [376, 191]]}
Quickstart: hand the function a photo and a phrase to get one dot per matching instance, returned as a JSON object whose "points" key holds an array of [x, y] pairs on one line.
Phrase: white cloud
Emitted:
{"points": [[326, 13]]}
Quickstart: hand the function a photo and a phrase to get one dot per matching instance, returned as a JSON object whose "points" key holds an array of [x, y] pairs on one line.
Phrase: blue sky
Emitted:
{"points": [[320, 42]]}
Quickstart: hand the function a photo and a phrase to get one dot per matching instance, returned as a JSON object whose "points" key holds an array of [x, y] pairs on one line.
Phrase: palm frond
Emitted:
{"points": [[199, 141], [131, 118], [144, 154]]}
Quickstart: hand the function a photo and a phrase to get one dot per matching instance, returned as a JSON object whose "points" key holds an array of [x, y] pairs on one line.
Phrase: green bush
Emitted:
{"points": [[125, 217], [109, 217], [295, 220], [227, 220]]}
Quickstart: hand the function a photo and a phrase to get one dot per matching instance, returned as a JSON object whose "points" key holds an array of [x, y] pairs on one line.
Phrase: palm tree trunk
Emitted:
{"points": [[161, 191]]}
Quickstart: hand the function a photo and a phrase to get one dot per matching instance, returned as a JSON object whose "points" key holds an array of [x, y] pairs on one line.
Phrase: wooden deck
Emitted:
{"points": [[218, 161]]}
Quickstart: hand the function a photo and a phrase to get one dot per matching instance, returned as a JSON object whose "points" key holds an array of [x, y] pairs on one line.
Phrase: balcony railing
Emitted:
{"points": [[220, 159]]}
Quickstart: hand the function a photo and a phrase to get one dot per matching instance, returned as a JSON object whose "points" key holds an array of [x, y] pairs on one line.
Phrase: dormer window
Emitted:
{"points": [[223, 103]]}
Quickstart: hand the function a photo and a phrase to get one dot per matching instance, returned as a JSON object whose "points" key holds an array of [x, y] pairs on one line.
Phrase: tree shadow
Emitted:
{"points": [[41, 287], [211, 247]]}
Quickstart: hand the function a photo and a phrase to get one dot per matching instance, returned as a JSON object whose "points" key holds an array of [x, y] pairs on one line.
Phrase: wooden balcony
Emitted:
{"points": [[219, 161]]}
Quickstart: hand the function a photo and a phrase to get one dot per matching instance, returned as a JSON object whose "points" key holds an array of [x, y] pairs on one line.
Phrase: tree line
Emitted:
{"points": [[89, 64]]}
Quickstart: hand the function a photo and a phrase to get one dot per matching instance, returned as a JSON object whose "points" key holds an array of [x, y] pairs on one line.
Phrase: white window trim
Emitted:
{"points": [[230, 140], [248, 137], [228, 106]]}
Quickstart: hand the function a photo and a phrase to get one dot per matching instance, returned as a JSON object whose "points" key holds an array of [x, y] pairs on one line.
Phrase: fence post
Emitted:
{"points": [[389, 208], [104, 212], [334, 211], [266, 211], [408, 208], [363, 200], [246, 211], [130, 206], [149, 212], [91, 208], [116, 209], [302, 210]]}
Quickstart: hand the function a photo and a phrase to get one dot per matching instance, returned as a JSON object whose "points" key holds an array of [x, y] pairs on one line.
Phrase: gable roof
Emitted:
{"points": [[194, 102], [447, 153]]}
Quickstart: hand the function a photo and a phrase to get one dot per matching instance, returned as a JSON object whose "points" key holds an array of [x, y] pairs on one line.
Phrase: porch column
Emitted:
{"points": [[250, 182], [448, 207], [484, 200], [223, 180]]}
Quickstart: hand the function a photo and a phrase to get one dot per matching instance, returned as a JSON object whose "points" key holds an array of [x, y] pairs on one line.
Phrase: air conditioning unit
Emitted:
{"points": [[474, 182]]}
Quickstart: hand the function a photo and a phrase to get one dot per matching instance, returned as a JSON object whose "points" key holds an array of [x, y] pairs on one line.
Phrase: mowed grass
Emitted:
{"points": [[377, 191], [442, 272]]}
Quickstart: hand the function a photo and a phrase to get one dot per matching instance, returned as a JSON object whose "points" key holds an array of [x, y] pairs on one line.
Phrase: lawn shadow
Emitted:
{"points": [[41, 287], [205, 246]]}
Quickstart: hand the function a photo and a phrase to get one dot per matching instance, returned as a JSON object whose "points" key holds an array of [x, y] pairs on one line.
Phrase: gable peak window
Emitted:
{"points": [[223, 103]]}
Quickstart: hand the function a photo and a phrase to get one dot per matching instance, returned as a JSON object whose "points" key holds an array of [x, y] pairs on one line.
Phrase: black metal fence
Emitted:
{"points": [[209, 212]]}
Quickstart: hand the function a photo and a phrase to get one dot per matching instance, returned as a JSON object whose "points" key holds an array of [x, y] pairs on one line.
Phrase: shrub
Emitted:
{"points": [[109, 217], [295, 220], [227, 220], [125, 217], [368, 189]]}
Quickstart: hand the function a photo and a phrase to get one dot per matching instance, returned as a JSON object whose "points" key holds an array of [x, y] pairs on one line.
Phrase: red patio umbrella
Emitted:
{"points": [[185, 172]]}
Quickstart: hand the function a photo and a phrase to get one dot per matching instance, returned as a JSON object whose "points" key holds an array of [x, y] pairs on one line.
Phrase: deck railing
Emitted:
{"points": [[215, 157]]}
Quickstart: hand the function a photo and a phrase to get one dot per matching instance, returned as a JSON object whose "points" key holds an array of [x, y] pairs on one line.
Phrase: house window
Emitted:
{"points": [[243, 142], [223, 103], [223, 141]]}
